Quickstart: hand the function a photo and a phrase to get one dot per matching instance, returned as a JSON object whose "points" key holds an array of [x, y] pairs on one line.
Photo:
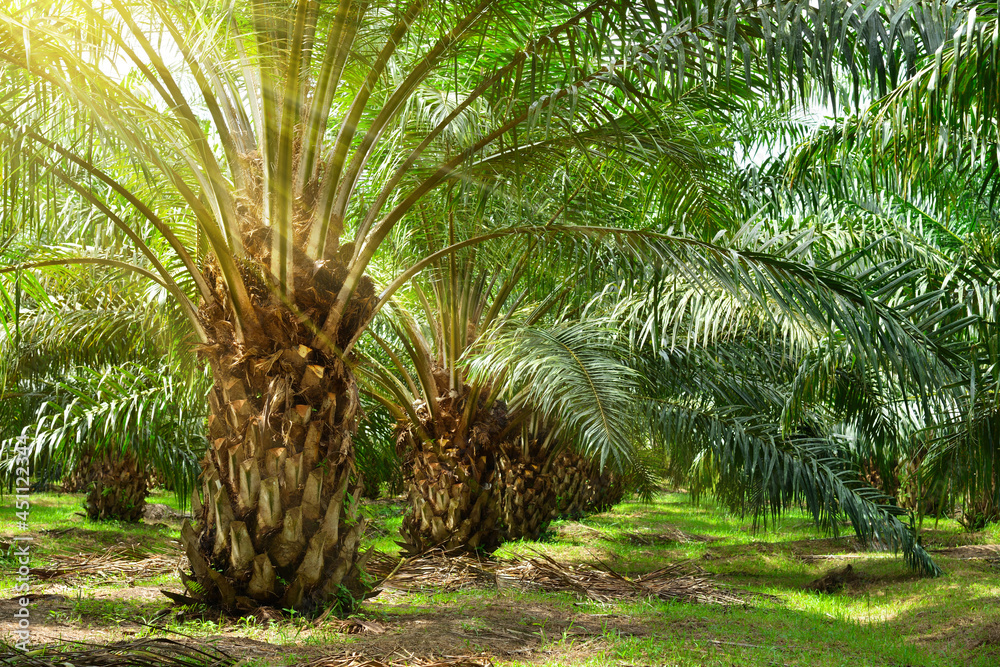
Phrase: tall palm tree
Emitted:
{"points": [[262, 153], [113, 428]]}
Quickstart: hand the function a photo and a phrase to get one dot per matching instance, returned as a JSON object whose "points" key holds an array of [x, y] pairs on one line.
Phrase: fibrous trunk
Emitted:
{"points": [[607, 489], [872, 475], [582, 487], [115, 483], [527, 492], [276, 518], [451, 479]]}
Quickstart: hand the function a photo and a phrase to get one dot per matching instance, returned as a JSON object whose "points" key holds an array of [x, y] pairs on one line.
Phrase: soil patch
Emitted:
{"points": [[91, 537], [681, 581], [970, 552], [665, 534], [855, 581], [826, 548], [498, 629], [931, 537], [578, 533], [58, 614], [355, 660], [989, 635], [158, 651]]}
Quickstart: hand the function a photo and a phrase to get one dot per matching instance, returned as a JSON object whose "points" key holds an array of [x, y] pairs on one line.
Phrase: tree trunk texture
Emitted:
{"points": [[276, 519], [451, 479], [527, 492], [979, 512], [158, 480], [116, 486], [79, 479], [871, 475], [581, 487], [570, 484], [607, 489]]}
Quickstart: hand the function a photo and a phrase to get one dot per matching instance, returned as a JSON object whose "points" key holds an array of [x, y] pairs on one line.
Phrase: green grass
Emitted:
{"points": [[57, 524], [891, 617]]}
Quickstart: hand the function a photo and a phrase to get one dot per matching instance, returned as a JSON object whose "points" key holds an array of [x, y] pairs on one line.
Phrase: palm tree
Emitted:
{"points": [[93, 387], [114, 427], [257, 165], [942, 222], [940, 125], [477, 456], [929, 148], [745, 397], [574, 380]]}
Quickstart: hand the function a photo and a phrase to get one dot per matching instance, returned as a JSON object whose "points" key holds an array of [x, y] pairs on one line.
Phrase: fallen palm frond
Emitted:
{"points": [[834, 580], [357, 660], [666, 535], [139, 653], [115, 562], [433, 570], [681, 581], [971, 551], [347, 626], [580, 530]]}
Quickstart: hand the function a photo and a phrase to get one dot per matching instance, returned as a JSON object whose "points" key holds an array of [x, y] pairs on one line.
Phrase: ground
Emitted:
{"points": [[102, 583]]}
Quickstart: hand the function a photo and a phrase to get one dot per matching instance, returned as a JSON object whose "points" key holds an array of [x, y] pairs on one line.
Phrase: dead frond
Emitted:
{"points": [[140, 653], [680, 581], [664, 536], [357, 660], [115, 562]]}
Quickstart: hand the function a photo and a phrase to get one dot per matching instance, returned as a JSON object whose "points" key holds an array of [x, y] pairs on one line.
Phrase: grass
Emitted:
{"points": [[889, 617]]}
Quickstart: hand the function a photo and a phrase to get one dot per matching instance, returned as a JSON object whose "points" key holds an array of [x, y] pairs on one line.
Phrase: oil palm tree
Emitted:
{"points": [[113, 428], [744, 397], [942, 217], [477, 456], [254, 162], [93, 386]]}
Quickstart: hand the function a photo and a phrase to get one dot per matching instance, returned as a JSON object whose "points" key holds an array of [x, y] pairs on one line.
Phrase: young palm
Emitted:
{"points": [[93, 389], [478, 458]]}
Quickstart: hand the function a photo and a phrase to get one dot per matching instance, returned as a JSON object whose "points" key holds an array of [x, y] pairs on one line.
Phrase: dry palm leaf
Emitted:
{"points": [[681, 581], [139, 653], [433, 570], [666, 535], [357, 660], [115, 562]]}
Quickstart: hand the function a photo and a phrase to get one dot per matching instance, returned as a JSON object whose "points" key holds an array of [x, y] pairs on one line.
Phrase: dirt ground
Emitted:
{"points": [[391, 627], [115, 600]]}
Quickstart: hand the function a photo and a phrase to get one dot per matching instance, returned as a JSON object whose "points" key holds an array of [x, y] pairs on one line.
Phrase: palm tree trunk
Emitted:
{"points": [[915, 495], [116, 486], [570, 485], [527, 492], [582, 488], [607, 489], [277, 520], [452, 481]]}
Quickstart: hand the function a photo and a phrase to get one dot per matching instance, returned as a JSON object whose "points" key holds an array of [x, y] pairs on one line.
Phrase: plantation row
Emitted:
{"points": [[510, 260]]}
